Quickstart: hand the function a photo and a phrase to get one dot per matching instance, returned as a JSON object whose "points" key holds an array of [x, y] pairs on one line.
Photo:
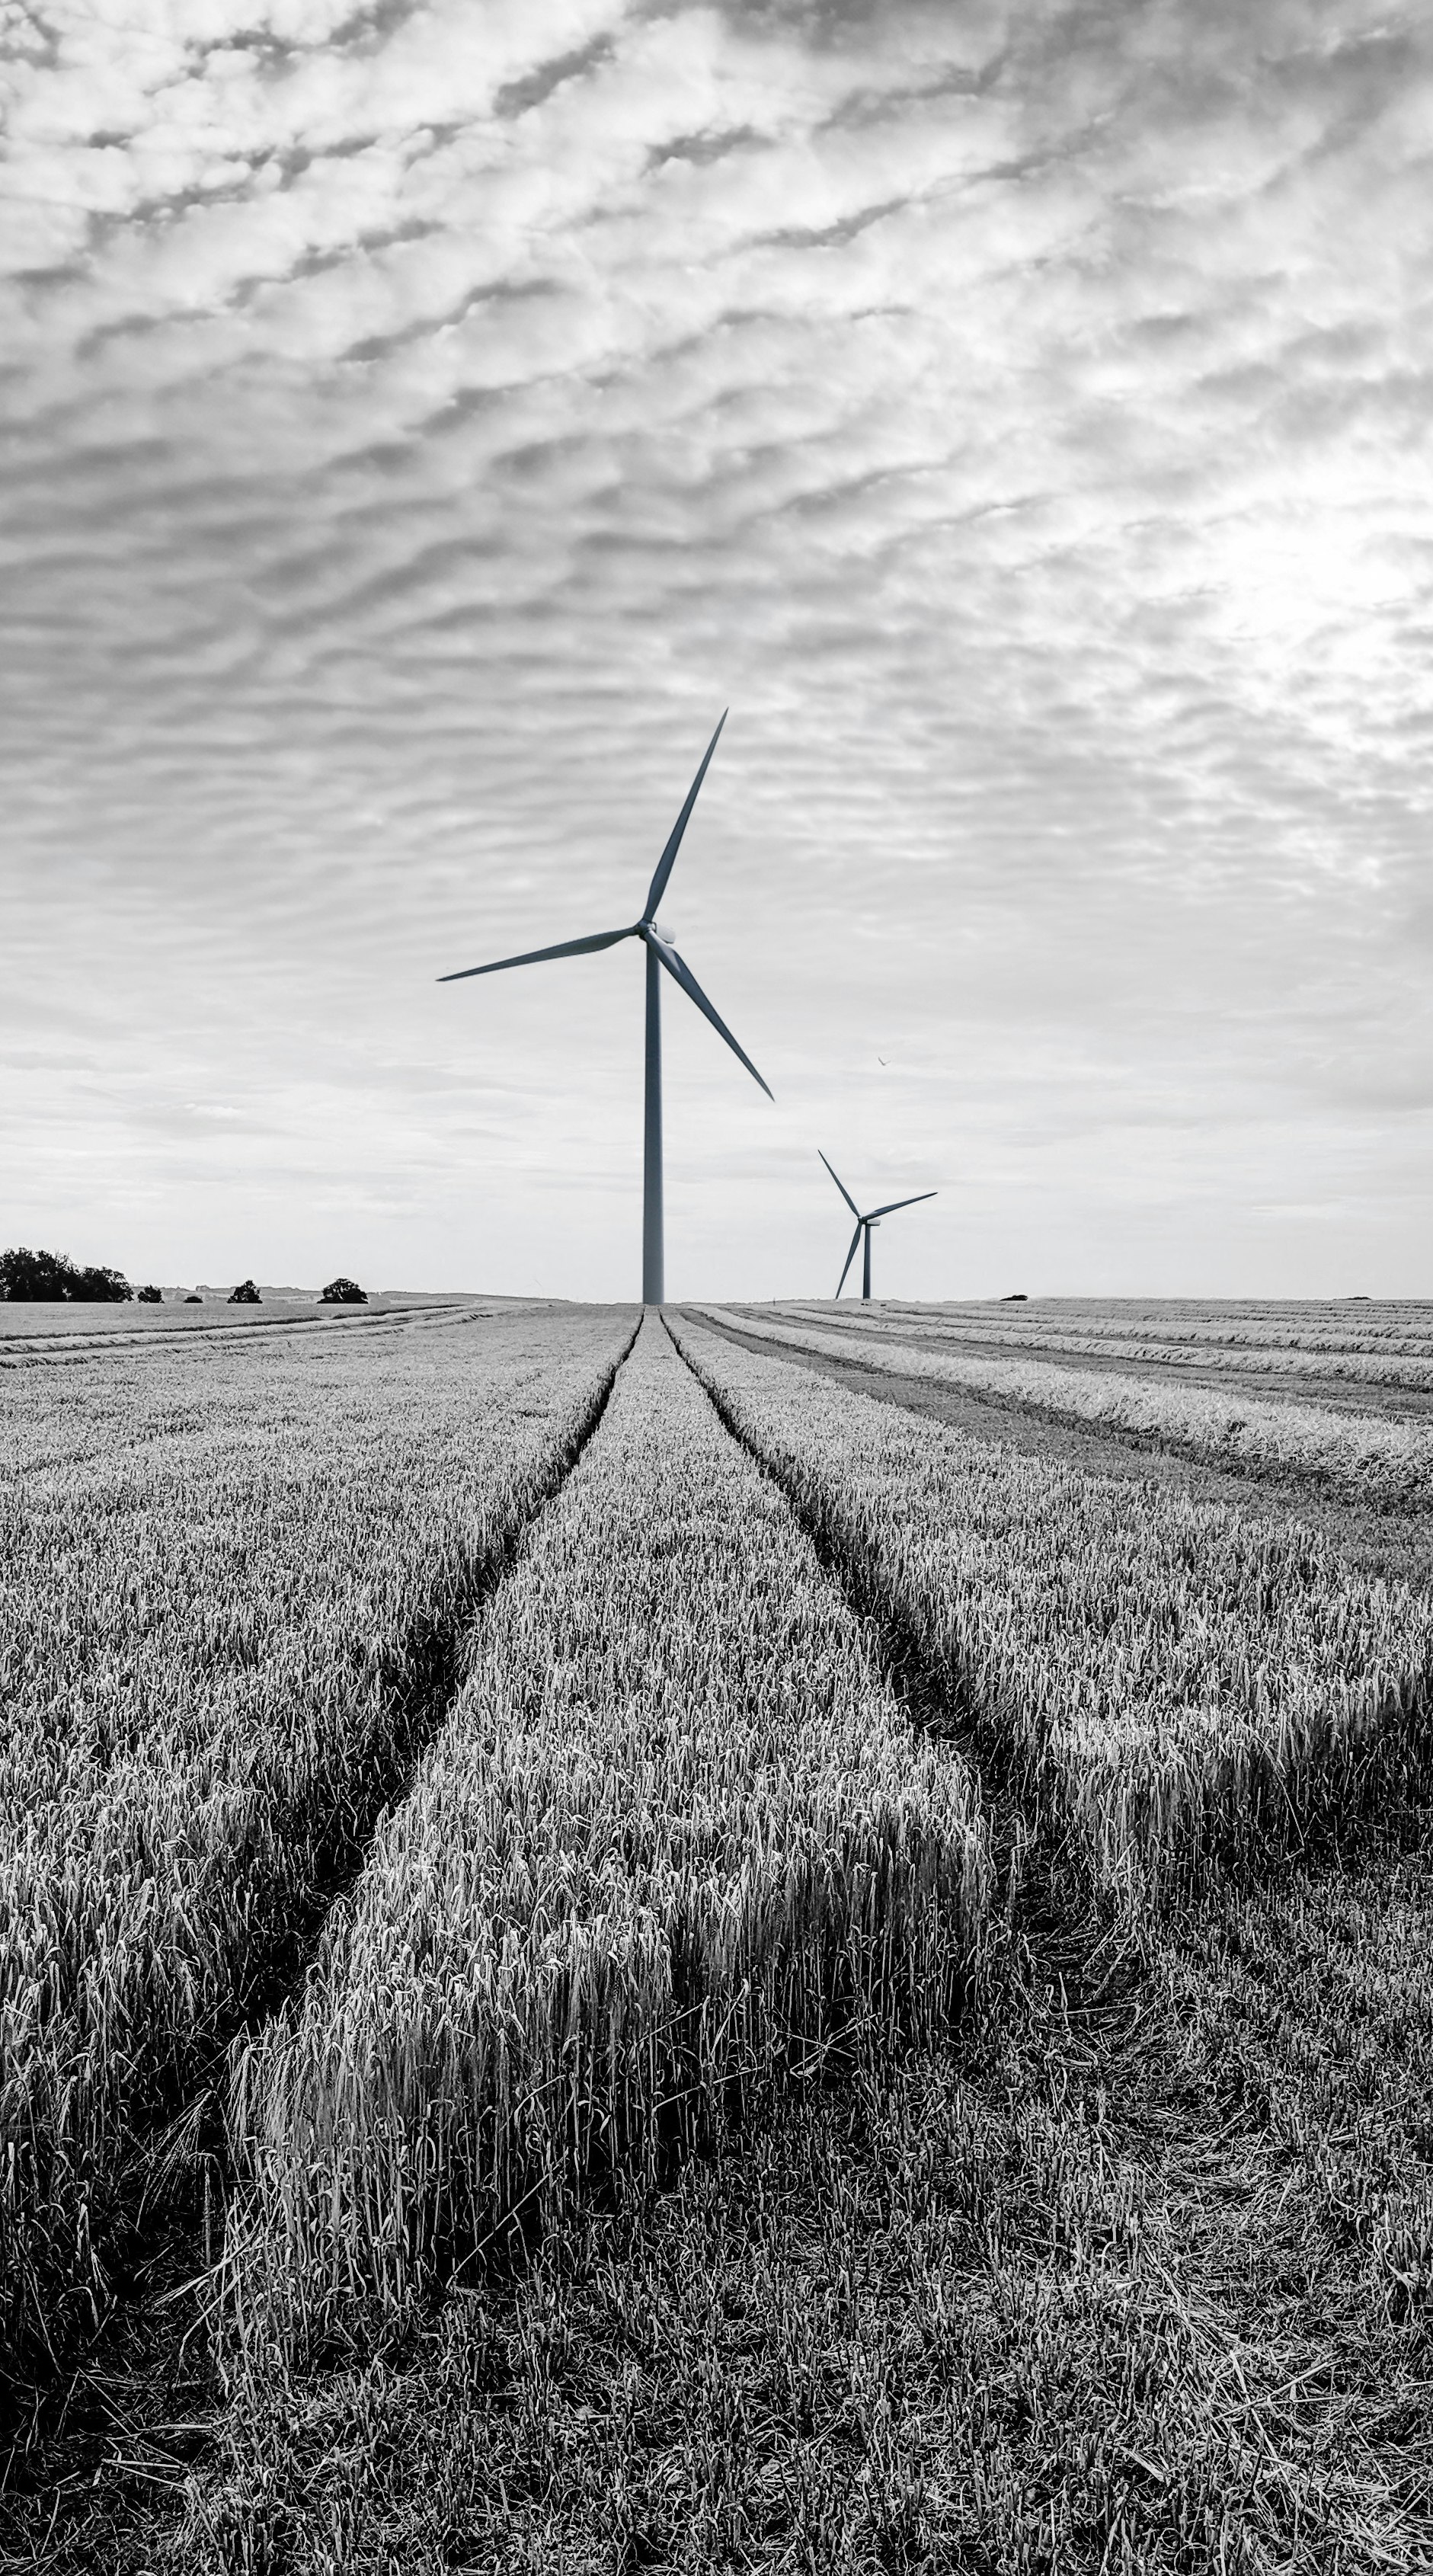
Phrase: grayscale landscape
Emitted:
{"points": [[682, 1936], [716, 1288]]}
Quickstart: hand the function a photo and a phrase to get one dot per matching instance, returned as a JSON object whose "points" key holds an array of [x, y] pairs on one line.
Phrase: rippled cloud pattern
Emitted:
{"points": [[420, 421]]}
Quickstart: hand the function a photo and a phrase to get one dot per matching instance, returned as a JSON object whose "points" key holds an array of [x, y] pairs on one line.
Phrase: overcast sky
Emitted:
{"points": [[421, 421]]}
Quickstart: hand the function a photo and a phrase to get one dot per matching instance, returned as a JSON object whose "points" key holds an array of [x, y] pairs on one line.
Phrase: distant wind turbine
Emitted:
{"points": [[660, 953], [865, 1223]]}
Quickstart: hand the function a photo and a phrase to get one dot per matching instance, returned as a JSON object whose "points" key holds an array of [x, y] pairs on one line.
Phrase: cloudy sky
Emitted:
{"points": [[420, 421]]}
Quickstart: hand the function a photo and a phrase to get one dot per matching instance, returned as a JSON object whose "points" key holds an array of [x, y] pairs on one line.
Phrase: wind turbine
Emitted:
{"points": [[864, 1225], [660, 953]]}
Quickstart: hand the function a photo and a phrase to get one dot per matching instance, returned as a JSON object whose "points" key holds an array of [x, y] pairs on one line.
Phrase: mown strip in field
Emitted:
{"points": [[1351, 1324], [1364, 1456], [676, 1837], [64, 1339], [1044, 1328], [215, 1653], [1170, 1683]]}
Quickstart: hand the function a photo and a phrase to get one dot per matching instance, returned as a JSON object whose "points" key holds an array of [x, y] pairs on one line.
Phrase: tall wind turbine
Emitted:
{"points": [[864, 1225], [660, 953]]}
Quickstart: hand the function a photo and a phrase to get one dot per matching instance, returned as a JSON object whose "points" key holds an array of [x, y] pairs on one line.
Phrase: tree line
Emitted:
{"points": [[47, 1277]]}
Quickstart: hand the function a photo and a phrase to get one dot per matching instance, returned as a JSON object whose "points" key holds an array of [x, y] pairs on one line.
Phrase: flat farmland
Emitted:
{"points": [[1323, 1355], [780, 1938], [63, 1331]]}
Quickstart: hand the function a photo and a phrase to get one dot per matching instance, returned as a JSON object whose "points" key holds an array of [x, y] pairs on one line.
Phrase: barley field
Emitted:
{"points": [[720, 1938]]}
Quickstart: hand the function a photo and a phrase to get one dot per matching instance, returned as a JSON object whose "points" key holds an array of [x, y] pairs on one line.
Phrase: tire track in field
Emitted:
{"points": [[1257, 1480], [1396, 1544], [423, 1689], [227, 1344], [45, 1350], [1142, 2342], [1391, 1398], [1056, 1936], [83, 2482], [1081, 2057]]}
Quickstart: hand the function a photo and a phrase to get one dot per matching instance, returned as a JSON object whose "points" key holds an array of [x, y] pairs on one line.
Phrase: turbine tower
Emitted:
{"points": [[660, 954], [864, 1225]]}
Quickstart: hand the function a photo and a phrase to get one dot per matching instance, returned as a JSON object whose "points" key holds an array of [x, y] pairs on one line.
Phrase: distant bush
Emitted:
{"points": [[343, 1292], [193, 1298], [52, 1276], [246, 1294], [1017, 1297], [151, 1296]]}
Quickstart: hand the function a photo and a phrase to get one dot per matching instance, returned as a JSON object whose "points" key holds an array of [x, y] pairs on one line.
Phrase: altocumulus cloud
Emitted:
{"points": [[420, 421]]}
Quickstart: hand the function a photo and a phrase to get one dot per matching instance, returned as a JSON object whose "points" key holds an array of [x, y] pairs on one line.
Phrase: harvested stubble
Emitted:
{"points": [[223, 1579], [677, 1834], [1170, 1679], [1364, 1456]]}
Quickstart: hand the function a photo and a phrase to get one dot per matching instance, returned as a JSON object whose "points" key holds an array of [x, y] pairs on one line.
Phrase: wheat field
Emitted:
{"points": [[619, 1949]]}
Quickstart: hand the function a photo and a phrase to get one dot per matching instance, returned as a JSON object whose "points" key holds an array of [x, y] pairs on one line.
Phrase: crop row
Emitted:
{"points": [[1308, 1324], [212, 1395], [1388, 1463], [1383, 1366], [1166, 1679], [68, 1333], [223, 1586], [676, 1837]]}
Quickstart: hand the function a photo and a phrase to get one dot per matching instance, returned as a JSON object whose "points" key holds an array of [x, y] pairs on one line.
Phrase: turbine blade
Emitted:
{"points": [[900, 1203], [536, 956], [851, 1255], [681, 973], [841, 1186], [668, 859]]}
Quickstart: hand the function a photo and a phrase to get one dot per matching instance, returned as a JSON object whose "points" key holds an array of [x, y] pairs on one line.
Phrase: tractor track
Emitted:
{"points": [[95, 2457], [1051, 1934]]}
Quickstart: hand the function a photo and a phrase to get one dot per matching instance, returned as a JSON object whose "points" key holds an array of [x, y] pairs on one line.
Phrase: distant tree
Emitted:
{"points": [[193, 1298], [52, 1276], [1017, 1297], [34, 1275], [343, 1292], [96, 1286], [151, 1296], [246, 1294]]}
